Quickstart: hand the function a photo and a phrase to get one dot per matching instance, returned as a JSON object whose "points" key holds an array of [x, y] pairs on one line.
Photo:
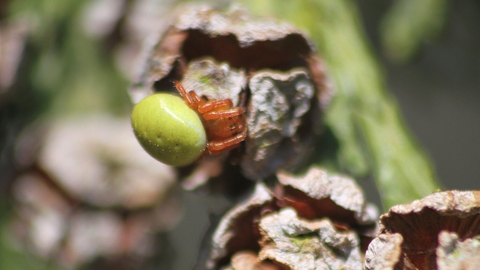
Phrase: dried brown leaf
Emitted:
{"points": [[420, 224], [273, 224]]}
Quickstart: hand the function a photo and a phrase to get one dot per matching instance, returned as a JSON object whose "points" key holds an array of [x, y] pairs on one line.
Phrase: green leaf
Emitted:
{"points": [[409, 24], [11, 257]]}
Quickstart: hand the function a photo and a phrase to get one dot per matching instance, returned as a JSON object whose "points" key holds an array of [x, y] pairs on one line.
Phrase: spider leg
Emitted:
{"points": [[217, 147], [191, 101], [212, 105], [198, 100], [223, 114]]}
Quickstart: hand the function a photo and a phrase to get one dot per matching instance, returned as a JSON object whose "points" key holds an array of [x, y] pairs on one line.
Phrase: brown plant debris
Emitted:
{"points": [[294, 227], [247, 260], [277, 104], [384, 251], [93, 156], [87, 190], [422, 225]]}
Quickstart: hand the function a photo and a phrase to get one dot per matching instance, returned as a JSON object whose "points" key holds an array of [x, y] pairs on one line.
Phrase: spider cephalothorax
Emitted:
{"points": [[178, 132]]}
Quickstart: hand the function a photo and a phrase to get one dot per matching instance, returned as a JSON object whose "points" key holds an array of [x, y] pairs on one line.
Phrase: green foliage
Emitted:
{"points": [[409, 24], [10, 257], [64, 69], [364, 119]]}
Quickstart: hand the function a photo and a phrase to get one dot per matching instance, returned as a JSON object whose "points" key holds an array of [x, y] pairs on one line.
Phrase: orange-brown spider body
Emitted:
{"points": [[224, 124]]}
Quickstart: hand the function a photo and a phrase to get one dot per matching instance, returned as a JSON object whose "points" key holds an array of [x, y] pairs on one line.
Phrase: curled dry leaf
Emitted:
{"points": [[238, 229], [266, 66], [276, 133], [328, 195], [93, 156], [384, 251], [421, 224], [90, 182], [48, 226], [246, 260], [298, 228]]}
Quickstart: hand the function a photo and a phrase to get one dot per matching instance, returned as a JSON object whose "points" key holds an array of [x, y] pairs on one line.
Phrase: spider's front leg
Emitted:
{"points": [[216, 109], [223, 114], [217, 147], [191, 102], [215, 105]]}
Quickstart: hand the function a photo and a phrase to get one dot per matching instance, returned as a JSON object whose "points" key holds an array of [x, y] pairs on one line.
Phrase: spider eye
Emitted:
{"points": [[168, 129]]}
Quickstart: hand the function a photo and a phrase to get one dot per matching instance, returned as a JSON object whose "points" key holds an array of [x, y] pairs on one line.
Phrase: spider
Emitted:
{"points": [[179, 131], [224, 124]]}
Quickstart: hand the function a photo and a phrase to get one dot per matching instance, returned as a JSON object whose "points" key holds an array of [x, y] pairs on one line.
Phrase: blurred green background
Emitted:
{"points": [[67, 58]]}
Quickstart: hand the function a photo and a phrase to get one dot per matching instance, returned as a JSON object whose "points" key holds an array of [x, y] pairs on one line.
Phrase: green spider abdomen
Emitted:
{"points": [[168, 129]]}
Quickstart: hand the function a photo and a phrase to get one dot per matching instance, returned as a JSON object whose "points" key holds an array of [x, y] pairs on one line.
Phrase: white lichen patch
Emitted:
{"points": [[453, 253], [304, 244]]}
